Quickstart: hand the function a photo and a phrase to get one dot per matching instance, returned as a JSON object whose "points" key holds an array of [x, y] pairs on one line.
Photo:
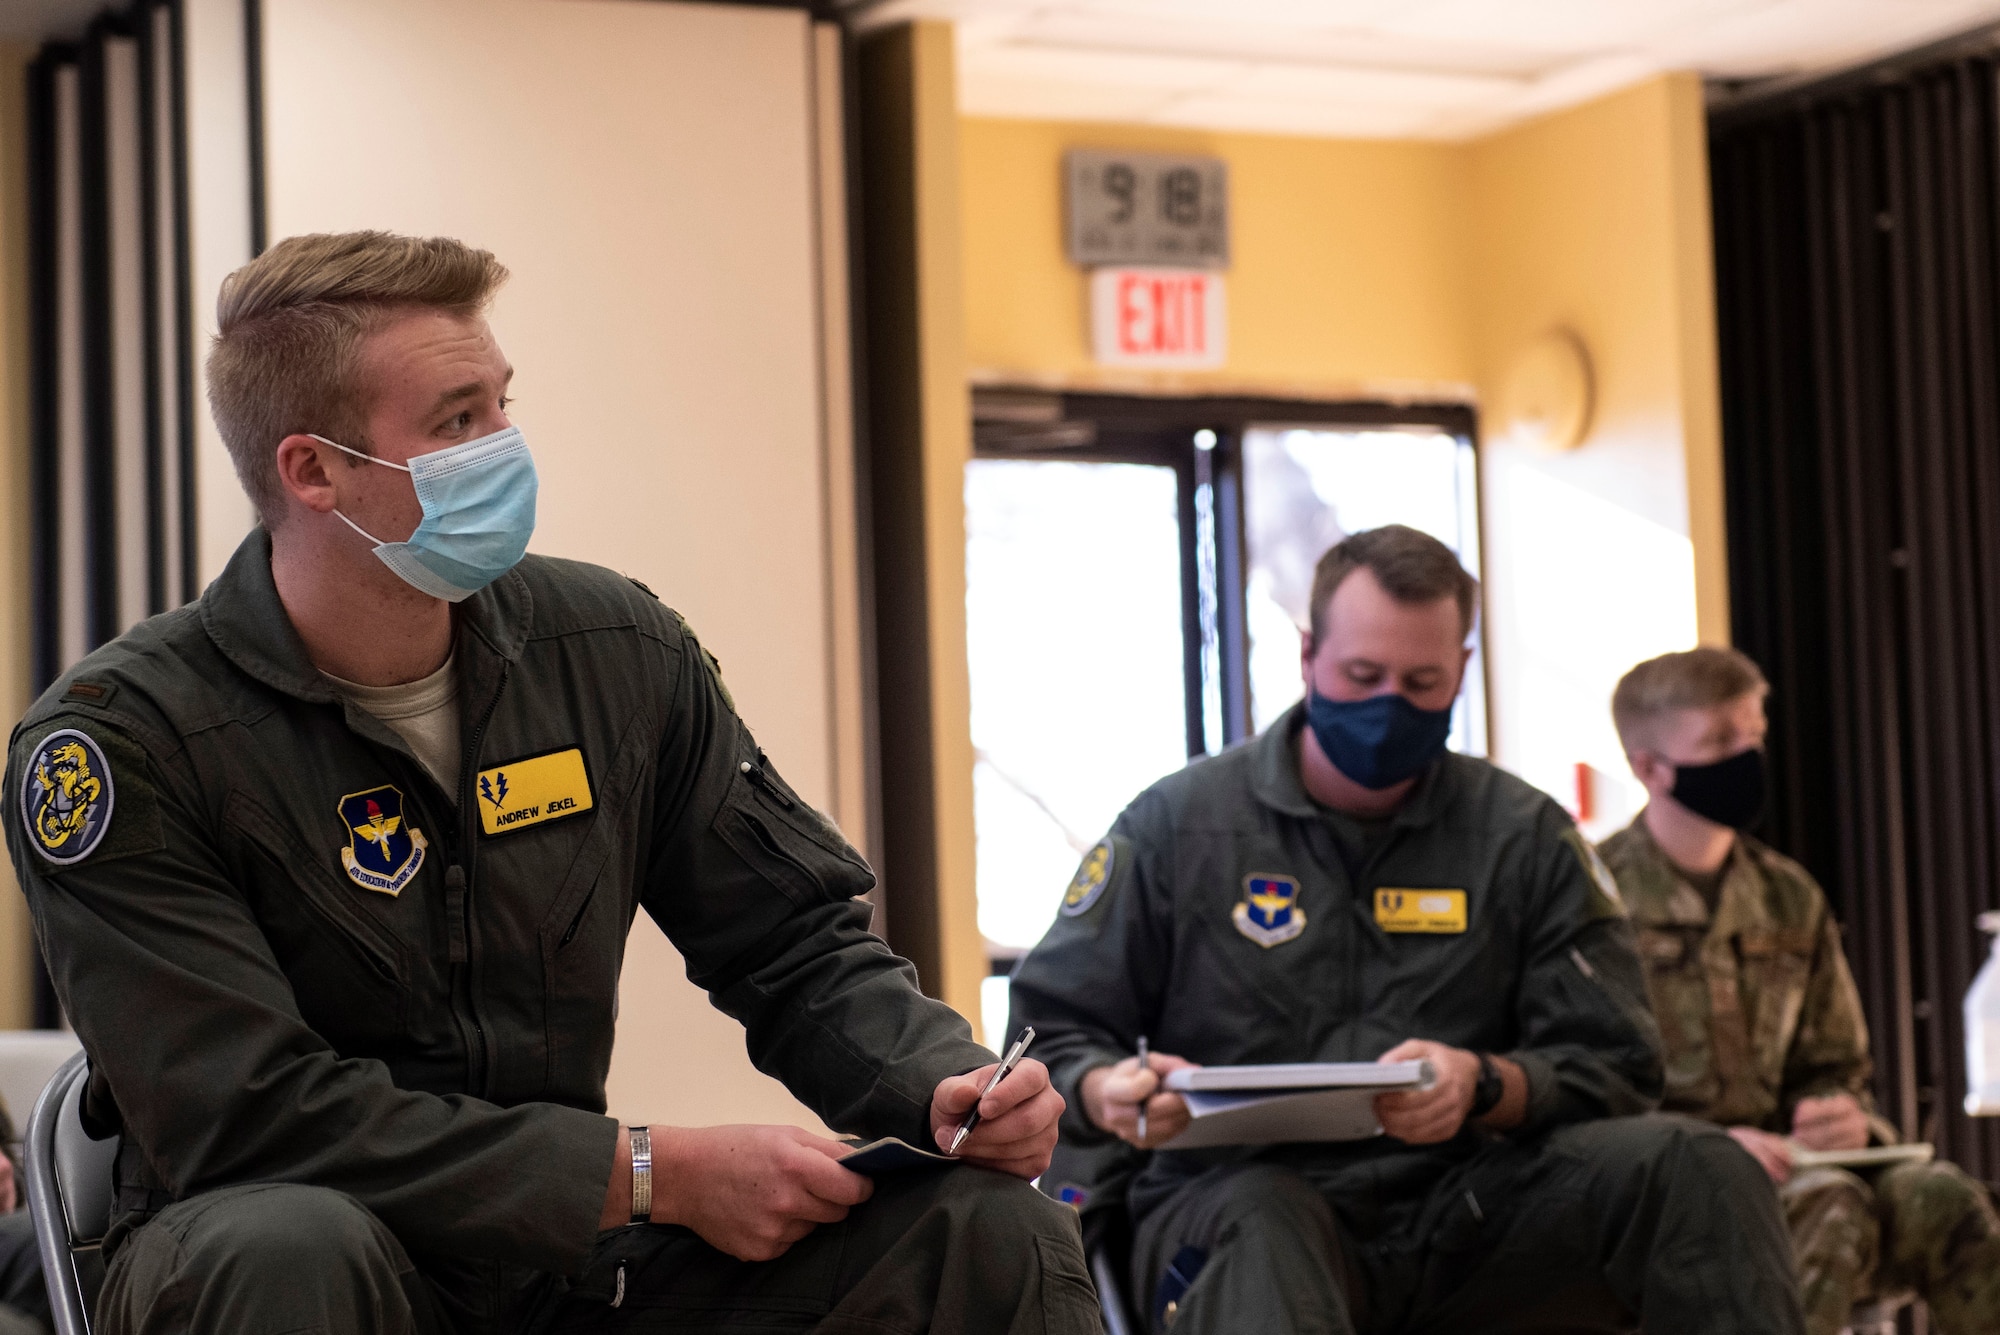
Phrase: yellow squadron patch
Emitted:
{"points": [[534, 791], [66, 797], [1432, 911], [1087, 886]]}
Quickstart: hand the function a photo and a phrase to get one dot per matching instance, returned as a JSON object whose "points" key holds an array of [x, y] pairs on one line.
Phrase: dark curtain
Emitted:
{"points": [[1857, 248]]}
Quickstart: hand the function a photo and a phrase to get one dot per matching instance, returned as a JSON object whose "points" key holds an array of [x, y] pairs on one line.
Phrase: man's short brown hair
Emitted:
{"points": [[1692, 679], [1410, 565], [291, 323]]}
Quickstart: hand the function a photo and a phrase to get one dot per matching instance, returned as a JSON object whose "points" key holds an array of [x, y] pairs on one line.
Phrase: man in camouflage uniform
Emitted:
{"points": [[1762, 1023]]}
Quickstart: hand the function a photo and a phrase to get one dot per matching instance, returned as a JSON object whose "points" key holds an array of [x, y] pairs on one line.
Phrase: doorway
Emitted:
{"points": [[1137, 571]]}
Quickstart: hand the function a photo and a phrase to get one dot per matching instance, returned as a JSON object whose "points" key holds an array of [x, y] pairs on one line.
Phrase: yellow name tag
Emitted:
{"points": [[1420, 910], [527, 792]]}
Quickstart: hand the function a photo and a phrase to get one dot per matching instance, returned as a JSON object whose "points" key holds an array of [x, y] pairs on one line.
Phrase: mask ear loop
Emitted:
{"points": [[358, 529], [371, 459], [401, 468]]}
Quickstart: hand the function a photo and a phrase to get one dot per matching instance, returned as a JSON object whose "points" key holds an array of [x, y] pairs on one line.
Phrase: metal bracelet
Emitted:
{"points": [[642, 1175]]}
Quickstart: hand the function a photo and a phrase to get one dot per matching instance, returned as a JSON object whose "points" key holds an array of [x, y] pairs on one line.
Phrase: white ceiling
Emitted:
{"points": [[1427, 69]]}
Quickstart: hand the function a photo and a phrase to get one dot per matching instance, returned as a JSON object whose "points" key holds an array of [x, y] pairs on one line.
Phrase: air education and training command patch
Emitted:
{"points": [[1087, 886], [66, 797], [1269, 911], [384, 851]]}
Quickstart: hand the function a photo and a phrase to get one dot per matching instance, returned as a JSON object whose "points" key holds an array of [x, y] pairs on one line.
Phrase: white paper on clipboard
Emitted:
{"points": [[1293, 1103]]}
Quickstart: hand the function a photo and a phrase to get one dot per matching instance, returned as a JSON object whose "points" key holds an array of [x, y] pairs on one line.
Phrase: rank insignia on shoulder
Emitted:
{"points": [[528, 792], [384, 851], [1087, 886], [66, 796], [1432, 911], [1269, 911]]}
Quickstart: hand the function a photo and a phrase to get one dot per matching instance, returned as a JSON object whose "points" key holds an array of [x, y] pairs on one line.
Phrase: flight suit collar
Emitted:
{"points": [[1276, 783], [242, 613]]}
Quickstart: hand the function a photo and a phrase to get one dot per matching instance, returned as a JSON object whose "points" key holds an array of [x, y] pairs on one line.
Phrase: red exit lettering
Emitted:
{"points": [[1161, 317]]}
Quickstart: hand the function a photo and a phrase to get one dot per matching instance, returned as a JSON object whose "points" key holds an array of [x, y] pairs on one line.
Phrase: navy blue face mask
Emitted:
{"points": [[1380, 741]]}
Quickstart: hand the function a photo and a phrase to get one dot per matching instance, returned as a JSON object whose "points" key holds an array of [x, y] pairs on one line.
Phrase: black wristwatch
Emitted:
{"points": [[1489, 1089]]}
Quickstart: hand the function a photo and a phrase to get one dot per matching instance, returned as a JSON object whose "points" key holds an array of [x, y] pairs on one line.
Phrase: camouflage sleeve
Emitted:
{"points": [[1829, 1054], [1095, 981], [1588, 1042]]}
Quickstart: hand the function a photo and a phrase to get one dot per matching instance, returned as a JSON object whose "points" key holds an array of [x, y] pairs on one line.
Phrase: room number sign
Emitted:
{"points": [[1146, 208]]}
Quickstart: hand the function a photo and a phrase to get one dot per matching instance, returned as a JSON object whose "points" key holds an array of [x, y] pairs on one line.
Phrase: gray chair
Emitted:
{"points": [[69, 1181]]}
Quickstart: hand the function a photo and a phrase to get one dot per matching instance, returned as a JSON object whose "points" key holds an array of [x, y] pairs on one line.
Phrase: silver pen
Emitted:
{"points": [[1144, 1101], [1007, 1064]]}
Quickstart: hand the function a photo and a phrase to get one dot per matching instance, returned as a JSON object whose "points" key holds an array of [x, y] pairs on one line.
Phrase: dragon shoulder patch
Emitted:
{"points": [[1087, 886], [66, 796]]}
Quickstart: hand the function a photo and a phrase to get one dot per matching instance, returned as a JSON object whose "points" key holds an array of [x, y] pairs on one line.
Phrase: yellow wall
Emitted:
{"points": [[1418, 270], [16, 940], [1349, 273], [1597, 219]]}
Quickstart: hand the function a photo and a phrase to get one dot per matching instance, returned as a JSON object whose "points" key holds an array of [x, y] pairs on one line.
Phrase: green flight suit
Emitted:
{"points": [[316, 986], [1223, 920], [1758, 1011]]}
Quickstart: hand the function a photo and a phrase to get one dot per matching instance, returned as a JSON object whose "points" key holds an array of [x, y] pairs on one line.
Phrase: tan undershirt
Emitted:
{"points": [[424, 713]]}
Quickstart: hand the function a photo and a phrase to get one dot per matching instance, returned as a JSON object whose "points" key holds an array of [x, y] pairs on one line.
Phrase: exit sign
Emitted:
{"points": [[1165, 318]]}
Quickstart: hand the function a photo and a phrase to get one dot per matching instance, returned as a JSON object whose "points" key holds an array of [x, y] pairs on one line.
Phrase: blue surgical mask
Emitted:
{"points": [[479, 512], [1380, 741]]}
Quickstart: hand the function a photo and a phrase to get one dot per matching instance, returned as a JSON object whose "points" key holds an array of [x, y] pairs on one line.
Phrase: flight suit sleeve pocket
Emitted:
{"points": [[786, 841]]}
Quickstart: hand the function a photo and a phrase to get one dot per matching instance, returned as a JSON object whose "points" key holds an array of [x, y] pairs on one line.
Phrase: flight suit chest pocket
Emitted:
{"points": [[348, 972]]}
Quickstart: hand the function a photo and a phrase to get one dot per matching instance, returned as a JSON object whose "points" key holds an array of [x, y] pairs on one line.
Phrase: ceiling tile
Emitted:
{"points": [[1427, 68], [1579, 26], [1114, 69], [1286, 116]]}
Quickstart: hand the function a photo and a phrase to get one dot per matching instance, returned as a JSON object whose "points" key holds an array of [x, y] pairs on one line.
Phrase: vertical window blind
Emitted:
{"points": [[113, 410]]}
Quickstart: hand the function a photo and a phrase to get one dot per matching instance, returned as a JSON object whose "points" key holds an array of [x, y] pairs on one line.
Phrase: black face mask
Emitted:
{"points": [[1729, 792]]}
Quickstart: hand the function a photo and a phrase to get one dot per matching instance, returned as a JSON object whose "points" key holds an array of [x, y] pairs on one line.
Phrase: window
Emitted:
{"points": [[1137, 571], [1073, 631], [1306, 488]]}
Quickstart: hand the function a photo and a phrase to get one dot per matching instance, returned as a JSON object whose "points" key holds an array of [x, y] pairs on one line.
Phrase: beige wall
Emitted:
{"points": [[218, 165], [648, 172], [1419, 270], [16, 673]]}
